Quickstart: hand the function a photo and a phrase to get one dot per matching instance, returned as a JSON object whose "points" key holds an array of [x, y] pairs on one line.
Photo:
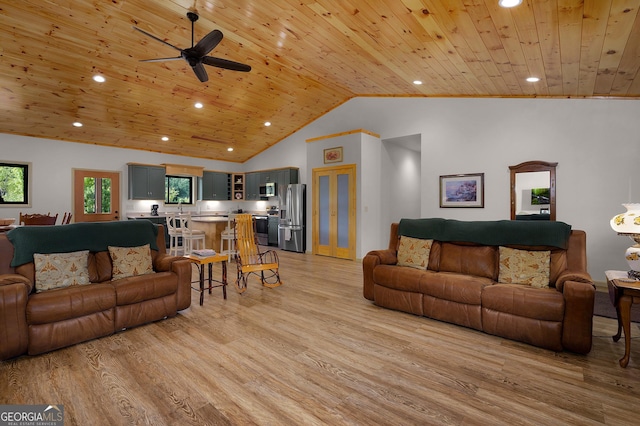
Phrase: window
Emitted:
{"points": [[97, 195], [178, 190], [15, 184]]}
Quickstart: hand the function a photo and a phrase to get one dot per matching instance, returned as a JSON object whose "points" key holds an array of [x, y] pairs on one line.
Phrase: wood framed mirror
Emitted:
{"points": [[533, 183]]}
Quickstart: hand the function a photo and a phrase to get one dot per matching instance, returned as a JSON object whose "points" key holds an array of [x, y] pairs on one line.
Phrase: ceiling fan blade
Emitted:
{"points": [[226, 64], [177, 58], [156, 38], [201, 73], [207, 44]]}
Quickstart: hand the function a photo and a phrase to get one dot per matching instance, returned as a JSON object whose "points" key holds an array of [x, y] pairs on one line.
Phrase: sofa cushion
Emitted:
{"points": [[414, 252], [544, 304], [524, 267], [405, 279], [459, 288], [138, 289], [480, 261], [71, 302], [100, 267], [59, 270], [130, 261]]}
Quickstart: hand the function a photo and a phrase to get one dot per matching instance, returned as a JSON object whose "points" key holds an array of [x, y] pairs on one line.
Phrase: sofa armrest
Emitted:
{"points": [[569, 275], [163, 262], [577, 327], [14, 293], [369, 262]]}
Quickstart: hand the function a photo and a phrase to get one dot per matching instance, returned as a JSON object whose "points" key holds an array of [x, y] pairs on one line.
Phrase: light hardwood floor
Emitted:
{"points": [[314, 351]]}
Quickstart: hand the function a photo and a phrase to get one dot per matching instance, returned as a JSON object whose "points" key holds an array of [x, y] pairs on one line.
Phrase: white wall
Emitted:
{"points": [[595, 142], [401, 168]]}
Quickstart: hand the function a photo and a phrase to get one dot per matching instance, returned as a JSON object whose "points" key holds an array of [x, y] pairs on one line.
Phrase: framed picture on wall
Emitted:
{"points": [[462, 190], [333, 155]]}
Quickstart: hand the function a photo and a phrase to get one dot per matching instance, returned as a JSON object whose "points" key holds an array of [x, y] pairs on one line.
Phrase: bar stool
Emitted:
{"points": [[175, 232], [228, 236], [189, 235]]}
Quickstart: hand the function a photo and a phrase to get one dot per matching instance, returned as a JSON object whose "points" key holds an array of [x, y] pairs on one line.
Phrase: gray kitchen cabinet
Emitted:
{"points": [[273, 230], [214, 186], [252, 187], [146, 182]]}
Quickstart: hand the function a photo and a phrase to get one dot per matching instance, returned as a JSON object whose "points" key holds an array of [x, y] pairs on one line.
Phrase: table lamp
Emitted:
{"points": [[628, 224]]}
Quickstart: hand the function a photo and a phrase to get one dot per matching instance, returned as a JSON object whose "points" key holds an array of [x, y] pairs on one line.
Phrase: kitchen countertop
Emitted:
{"points": [[194, 216]]}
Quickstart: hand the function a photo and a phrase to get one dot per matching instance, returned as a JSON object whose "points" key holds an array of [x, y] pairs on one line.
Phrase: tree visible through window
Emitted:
{"points": [[97, 195], [178, 190], [14, 183]]}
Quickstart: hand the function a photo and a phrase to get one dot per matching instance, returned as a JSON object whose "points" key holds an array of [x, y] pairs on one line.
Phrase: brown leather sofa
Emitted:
{"points": [[460, 284], [34, 323]]}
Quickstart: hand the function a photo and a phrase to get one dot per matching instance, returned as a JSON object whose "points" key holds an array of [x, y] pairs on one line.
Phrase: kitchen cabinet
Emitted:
{"points": [[146, 182], [273, 230], [213, 186], [252, 188]]}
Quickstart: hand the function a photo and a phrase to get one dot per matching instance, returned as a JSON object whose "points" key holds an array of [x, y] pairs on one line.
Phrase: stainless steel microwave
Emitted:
{"points": [[268, 189]]}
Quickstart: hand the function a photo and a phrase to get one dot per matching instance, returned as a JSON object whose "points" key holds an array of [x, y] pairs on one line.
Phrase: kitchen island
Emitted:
{"points": [[212, 227]]}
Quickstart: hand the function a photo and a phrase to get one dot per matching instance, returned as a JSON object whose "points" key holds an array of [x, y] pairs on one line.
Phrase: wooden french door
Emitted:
{"points": [[334, 211], [96, 196]]}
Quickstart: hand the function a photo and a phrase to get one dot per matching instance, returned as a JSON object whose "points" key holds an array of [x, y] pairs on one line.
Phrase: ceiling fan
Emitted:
{"points": [[196, 55]]}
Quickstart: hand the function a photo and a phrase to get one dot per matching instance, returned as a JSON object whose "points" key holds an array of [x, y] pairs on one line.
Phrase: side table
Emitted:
{"points": [[200, 263], [623, 292]]}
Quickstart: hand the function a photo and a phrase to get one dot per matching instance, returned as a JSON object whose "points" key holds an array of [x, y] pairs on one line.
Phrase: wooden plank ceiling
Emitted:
{"points": [[308, 57]]}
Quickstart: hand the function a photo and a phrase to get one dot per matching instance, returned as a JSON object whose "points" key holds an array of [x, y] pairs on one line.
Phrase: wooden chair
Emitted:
{"points": [[249, 259], [66, 219], [38, 219]]}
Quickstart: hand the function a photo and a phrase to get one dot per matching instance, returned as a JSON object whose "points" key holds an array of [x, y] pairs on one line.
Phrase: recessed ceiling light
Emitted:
{"points": [[77, 124], [267, 123], [417, 82], [509, 3], [99, 78], [533, 79], [229, 149], [165, 138], [198, 105]]}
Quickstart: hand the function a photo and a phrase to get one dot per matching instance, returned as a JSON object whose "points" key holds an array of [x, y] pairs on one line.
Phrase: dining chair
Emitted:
{"points": [[227, 236], [175, 232], [38, 219], [66, 219], [249, 259], [190, 235]]}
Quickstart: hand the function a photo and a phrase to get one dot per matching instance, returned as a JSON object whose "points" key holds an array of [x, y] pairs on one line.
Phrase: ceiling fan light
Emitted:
{"points": [[509, 3]]}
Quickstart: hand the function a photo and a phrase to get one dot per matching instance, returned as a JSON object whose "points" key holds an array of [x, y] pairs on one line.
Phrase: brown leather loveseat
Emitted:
{"points": [[34, 320], [465, 279]]}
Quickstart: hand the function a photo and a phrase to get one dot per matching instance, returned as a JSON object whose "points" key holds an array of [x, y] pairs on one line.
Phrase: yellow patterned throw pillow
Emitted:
{"points": [[414, 252], [130, 261], [524, 267], [59, 270]]}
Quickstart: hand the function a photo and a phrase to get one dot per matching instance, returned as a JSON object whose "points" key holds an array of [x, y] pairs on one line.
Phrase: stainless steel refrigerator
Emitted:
{"points": [[292, 235]]}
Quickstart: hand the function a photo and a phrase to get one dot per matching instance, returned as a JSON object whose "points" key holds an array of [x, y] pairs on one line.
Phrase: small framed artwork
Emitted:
{"points": [[462, 190], [333, 155]]}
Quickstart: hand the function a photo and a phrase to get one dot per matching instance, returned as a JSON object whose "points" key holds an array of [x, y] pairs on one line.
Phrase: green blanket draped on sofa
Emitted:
{"points": [[95, 236], [492, 233]]}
